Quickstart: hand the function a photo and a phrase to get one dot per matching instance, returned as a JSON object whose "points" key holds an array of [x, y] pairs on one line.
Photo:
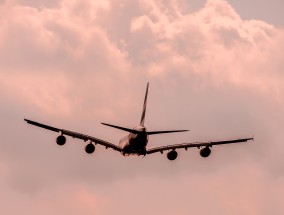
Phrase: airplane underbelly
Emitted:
{"points": [[136, 145], [139, 142]]}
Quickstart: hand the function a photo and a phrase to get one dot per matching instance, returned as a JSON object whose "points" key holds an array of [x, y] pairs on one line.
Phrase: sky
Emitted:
{"points": [[215, 67]]}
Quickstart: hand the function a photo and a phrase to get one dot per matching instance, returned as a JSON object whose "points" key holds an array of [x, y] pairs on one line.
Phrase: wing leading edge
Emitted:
{"points": [[195, 144], [76, 135], [149, 151]]}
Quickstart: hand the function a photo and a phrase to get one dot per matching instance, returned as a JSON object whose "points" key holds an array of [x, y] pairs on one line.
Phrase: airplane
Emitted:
{"points": [[135, 142]]}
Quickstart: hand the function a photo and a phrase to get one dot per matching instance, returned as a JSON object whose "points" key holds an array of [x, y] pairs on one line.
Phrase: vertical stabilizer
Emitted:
{"points": [[144, 107]]}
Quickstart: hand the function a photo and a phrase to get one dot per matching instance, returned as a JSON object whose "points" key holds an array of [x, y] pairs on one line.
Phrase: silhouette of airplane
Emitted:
{"points": [[135, 142]]}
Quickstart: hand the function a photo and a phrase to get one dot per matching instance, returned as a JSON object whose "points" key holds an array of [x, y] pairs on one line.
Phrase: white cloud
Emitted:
{"points": [[78, 63]]}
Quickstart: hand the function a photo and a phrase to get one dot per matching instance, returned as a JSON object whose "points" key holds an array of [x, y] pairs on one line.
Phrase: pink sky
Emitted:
{"points": [[214, 68]]}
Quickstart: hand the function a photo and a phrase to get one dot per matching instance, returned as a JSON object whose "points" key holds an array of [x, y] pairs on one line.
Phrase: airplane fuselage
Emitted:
{"points": [[135, 144]]}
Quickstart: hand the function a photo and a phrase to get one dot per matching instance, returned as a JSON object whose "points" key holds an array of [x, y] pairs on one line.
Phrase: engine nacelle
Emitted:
{"points": [[172, 155], [205, 152], [61, 140], [90, 148]]}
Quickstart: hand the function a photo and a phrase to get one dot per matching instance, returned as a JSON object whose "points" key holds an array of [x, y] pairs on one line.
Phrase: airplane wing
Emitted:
{"points": [[76, 135], [196, 144]]}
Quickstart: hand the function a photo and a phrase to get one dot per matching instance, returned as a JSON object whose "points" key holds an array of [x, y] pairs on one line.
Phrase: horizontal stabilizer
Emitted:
{"points": [[164, 132], [122, 128]]}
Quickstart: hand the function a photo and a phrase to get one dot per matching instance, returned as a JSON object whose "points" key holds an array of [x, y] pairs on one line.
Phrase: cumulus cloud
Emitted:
{"points": [[74, 64]]}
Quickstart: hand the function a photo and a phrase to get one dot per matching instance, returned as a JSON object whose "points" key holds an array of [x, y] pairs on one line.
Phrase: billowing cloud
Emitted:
{"points": [[73, 64]]}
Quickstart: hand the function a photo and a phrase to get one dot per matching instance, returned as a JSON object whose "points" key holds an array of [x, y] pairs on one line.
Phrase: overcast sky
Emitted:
{"points": [[215, 67]]}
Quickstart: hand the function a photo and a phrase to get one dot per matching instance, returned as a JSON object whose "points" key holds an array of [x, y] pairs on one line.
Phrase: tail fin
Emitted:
{"points": [[144, 107]]}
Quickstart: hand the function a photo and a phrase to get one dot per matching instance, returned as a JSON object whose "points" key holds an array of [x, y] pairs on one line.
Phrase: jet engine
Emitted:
{"points": [[61, 140], [90, 148], [205, 152], [172, 155]]}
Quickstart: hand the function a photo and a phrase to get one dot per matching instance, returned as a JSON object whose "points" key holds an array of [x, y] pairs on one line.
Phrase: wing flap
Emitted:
{"points": [[195, 144], [73, 134], [90, 138]]}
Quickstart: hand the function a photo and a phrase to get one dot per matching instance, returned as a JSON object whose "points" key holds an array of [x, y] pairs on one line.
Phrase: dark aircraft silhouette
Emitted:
{"points": [[135, 142]]}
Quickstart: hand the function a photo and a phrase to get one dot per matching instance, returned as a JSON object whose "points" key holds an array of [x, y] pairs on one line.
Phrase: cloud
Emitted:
{"points": [[73, 64]]}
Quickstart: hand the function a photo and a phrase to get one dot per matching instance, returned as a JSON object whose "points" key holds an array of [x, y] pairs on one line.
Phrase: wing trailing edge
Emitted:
{"points": [[73, 134], [196, 145]]}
